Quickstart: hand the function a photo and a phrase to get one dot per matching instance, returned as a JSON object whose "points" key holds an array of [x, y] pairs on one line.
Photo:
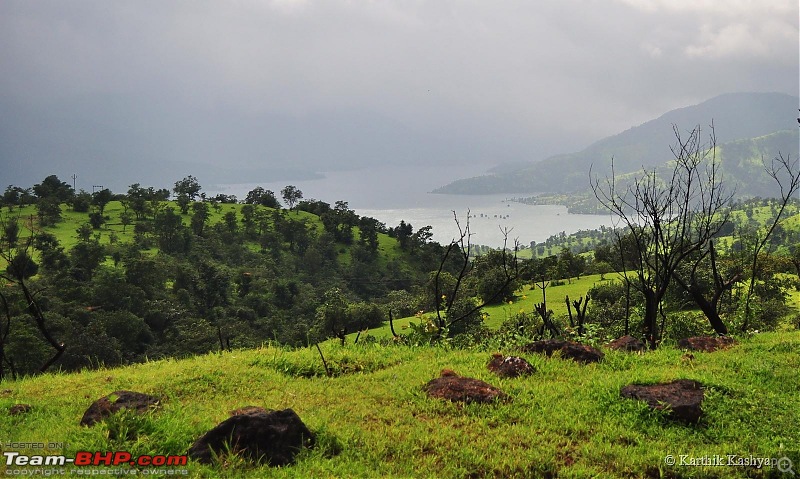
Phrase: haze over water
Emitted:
{"points": [[391, 194]]}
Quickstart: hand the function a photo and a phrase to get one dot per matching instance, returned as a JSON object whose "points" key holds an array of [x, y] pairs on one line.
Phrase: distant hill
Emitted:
{"points": [[747, 125]]}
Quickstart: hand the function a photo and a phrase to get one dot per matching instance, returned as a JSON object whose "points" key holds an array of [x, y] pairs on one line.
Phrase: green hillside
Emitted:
{"points": [[373, 420]]}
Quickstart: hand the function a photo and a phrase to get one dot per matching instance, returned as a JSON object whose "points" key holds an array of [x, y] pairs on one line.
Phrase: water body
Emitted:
{"points": [[394, 193]]}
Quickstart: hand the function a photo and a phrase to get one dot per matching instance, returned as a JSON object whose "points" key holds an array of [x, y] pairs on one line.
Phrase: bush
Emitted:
{"points": [[686, 324]]}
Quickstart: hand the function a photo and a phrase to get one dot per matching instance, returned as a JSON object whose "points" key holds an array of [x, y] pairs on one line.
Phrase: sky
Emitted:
{"points": [[139, 91]]}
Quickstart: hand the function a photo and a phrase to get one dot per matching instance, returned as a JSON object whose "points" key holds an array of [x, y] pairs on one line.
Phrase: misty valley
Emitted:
{"points": [[639, 324]]}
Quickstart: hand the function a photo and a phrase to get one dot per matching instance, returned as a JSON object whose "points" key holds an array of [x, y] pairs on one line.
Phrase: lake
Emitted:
{"points": [[394, 193]]}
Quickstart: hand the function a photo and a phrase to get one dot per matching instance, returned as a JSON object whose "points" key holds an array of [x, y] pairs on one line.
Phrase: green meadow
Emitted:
{"points": [[372, 419]]}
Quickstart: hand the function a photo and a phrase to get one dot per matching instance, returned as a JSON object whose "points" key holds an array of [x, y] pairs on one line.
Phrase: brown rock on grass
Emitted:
{"points": [[706, 343], [455, 388], [18, 409], [569, 349], [116, 401], [509, 366], [627, 343], [272, 438], [682, 398]]}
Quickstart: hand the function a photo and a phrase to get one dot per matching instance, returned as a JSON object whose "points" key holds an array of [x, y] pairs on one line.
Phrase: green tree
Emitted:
{"points": [[291, 195], [200, 215], [53, 187], [22, 266], [48, 210], [81, 202], [101, 199], [260, 196], [186, 191]]}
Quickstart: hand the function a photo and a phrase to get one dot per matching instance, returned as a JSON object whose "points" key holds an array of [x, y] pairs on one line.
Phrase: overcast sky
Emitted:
{"points": [[332, 83]]}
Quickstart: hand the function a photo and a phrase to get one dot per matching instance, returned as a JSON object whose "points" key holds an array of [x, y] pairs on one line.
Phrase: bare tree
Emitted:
{"points": [[446, 316], [668, 218], [16, 275], [786, 174]]}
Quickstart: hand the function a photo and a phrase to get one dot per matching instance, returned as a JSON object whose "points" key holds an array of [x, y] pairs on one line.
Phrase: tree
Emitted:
{"points": [[668, 219], [20, 267], [260, 196], [15, 196], [81, 202], [48, 210], [200, 215], [291, 195], [786, 174], [101, 199], [186, 191], [53, 187]]}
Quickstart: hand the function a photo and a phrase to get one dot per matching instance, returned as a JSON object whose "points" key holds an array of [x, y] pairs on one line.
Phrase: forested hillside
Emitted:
{"points": [[124, 277]]}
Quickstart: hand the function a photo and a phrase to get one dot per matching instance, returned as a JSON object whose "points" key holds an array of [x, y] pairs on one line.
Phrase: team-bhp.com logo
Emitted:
{"points": [[97, 458]]}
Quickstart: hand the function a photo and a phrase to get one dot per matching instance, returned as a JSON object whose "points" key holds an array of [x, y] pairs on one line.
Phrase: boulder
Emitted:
{"points": [[273, 438], [706, 343], [455, 388], [627, 343], [509, 366], [116, 401], [569, 349], [682, 398]]}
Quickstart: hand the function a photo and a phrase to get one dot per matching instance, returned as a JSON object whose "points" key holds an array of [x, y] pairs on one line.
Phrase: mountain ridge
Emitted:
{"points": [[735, 116]]}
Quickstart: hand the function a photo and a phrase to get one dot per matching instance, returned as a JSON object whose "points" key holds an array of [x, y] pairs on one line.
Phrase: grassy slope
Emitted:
{"points": [[565, 420], [66, 230], [524, 301]]}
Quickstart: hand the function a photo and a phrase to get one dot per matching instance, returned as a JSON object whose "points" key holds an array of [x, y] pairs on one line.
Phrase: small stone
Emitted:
{"points": [[509, 366]]}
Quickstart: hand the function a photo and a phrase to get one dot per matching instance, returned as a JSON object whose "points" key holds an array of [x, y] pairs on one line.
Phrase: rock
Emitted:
{"points": [[569, 349], [706, 343], [18, 409], [682, 398], [272, 438], [455, 388], [116, 401], [627, 343], [509, 366]]}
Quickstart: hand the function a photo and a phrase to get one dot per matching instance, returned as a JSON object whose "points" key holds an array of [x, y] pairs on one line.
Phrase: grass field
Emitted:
{"points": [[373, 420], [524, 301]]}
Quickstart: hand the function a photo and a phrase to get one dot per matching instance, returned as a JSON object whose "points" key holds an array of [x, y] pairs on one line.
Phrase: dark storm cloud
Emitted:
{"points": [[338, 83]]}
